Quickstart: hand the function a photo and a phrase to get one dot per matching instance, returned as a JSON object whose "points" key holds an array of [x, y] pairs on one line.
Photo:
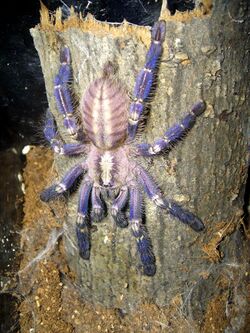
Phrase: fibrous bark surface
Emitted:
{"points": [[205, 56]]}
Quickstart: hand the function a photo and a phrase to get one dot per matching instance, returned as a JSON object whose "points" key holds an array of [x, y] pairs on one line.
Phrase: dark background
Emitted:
{"points": [[22, 94], [23, 104]]}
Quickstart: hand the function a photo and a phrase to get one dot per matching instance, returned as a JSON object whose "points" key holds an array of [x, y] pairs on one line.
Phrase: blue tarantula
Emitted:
{"points": [[110, 168]]}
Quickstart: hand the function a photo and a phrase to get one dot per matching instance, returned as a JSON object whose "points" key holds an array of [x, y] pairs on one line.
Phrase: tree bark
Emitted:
{"points": [[205, 56]]}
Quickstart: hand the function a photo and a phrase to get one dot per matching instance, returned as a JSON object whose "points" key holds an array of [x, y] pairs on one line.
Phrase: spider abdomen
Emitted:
{"points": [[104, 111]]}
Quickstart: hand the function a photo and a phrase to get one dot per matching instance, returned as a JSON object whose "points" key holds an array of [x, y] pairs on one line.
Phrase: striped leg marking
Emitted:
{"points": [[98, 207], [174, 209], [145, 77], [58, 189], [173, 134], [58, 146], [118, 205], [62, 92], [139, 231], [82, 227]]}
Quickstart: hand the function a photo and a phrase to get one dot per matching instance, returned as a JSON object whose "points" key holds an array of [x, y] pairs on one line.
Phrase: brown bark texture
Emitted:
{"points": [[205, 56]]}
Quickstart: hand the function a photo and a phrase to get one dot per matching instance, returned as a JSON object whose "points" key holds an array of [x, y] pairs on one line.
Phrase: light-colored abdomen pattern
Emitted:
{"points": [[104, 111]]}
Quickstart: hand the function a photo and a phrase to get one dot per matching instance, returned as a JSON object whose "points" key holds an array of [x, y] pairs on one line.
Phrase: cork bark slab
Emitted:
{"points": [[205, 56]]}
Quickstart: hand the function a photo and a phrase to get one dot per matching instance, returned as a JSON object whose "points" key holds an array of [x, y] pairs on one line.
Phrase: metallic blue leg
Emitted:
{"points": [[58, 146], [174, 209], [144, 245], [58, 189], [82, 222], [62, 93], [184, 215], [145, 78], [118, 205], [173, 134]]}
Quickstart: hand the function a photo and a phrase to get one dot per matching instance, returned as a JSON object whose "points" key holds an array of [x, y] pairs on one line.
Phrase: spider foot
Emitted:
{"points": [[185, 216], [65, 55], [159, 31], [97, 215], [51, 192], [198, 108], [147, 257], [120, 219], [149, 270]]}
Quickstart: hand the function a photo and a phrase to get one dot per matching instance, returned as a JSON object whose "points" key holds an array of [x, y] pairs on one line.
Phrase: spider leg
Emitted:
{"points": [[174, 209], [145, 78], [67, 181], [98, 207], [62, 93], [173, 134], [57, 145], [118, 205], [139, 231], [82, 228]]}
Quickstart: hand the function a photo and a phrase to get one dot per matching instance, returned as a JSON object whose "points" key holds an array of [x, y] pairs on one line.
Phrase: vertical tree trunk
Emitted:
{"points": [[205, 56]]}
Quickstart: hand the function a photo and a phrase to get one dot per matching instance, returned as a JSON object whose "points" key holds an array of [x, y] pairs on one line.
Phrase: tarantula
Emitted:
{"points": [[110, 167]]}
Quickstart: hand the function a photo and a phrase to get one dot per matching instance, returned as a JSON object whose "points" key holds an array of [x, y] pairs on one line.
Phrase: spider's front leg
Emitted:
{"points": [[144, 245], [145, 78], [57, 145], [63, 95], [174, 209], [173, 134]]}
